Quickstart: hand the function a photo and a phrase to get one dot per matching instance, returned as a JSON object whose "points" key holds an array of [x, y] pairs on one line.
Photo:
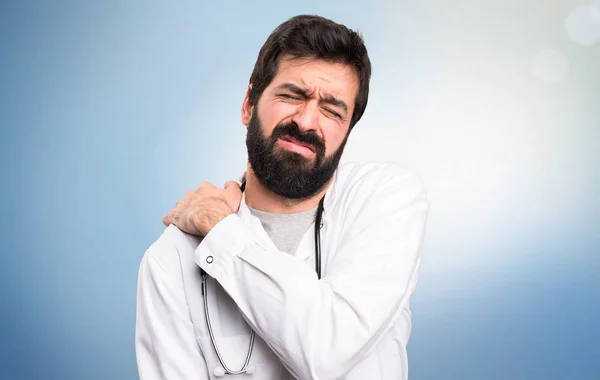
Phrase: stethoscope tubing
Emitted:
{"points": [[244, 369], [213, 341]]}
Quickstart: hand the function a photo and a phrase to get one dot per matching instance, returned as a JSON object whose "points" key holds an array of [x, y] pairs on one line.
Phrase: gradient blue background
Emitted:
{"points": [[110, 111]]}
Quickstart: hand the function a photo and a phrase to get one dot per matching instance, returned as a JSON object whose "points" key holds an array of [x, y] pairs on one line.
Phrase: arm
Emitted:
{"points": [[322, 329], [165, 342]]}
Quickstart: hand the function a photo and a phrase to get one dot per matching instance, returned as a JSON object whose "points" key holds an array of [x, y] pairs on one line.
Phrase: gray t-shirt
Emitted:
{"points": [[286, 230]]}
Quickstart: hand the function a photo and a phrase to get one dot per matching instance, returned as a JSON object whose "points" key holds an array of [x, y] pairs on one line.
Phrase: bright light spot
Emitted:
{"points": [[583, 24], [549, 66], [595, 11]]}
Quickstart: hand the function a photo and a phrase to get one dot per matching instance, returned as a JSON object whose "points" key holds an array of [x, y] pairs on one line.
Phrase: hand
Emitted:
{"points": [[202, 209]]}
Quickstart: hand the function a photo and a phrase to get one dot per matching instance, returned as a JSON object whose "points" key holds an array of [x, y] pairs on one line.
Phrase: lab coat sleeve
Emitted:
{"points": [[165, 342], [321, 329]]}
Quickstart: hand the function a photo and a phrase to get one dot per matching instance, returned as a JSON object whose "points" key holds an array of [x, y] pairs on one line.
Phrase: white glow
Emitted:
{"points": [[472, 163], [549, 66], [583, 24], [595, 11]]}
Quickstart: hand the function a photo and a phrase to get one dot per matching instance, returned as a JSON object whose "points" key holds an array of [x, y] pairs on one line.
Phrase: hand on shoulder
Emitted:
{"points": [[202, 209]]}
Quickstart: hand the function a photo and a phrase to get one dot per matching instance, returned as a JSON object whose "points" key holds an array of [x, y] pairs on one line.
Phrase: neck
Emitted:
{"points": [[260, 198]]}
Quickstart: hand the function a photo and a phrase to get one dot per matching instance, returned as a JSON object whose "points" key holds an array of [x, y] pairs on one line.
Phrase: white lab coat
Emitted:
{"points": [[352, 324]]}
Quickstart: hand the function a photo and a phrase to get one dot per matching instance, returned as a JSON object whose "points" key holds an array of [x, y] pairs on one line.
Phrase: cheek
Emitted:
{"points": [[268, 117], [333, 139], [279, 112]]}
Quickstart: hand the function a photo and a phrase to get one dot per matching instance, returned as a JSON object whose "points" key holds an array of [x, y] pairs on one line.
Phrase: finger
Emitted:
{"points": [[170, 217], [229, 184], [232, 189], [167, 219], [206, 185], [233, 195]]}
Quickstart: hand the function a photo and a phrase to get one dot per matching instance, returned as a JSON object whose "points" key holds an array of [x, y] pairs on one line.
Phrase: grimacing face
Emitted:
{"points": [[298, 129]]}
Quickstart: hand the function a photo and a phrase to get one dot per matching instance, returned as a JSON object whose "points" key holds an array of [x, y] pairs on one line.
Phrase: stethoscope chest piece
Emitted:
{"points": [[220, 371]]}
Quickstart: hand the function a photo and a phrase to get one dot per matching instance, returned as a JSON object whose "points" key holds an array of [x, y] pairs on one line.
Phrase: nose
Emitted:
{"points": [[307, 117]]}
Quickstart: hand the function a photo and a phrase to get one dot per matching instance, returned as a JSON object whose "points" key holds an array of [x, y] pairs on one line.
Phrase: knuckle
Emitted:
{"points": [[232, 185]]}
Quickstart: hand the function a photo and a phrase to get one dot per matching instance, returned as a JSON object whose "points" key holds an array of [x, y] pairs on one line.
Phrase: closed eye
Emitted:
{"points": [[288, 96], [333, 113]]}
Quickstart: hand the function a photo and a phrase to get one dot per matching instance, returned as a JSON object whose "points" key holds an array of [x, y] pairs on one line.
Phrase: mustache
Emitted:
{"points": [[292, 130]]}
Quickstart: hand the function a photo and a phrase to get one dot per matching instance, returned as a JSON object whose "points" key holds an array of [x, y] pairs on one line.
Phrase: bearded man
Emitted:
{"points": [[305, 269]]}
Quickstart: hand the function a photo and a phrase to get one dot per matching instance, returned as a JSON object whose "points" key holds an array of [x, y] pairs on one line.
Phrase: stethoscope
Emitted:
{"points": [[250, 369]]}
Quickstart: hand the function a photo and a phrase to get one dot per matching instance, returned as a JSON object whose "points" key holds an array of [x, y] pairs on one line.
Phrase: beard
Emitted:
{"points": [[286, 173]]}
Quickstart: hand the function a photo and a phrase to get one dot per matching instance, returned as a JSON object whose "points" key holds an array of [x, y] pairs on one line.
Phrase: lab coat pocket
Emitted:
{"points": [[234, 350], [232, 338]]}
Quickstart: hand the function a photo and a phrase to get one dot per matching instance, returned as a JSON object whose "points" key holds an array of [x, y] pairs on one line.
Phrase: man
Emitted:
{"points": [[308, 272]]}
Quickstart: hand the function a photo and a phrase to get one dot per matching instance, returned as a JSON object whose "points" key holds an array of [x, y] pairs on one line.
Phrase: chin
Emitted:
{"points": [[295, 158], [295, 161]]}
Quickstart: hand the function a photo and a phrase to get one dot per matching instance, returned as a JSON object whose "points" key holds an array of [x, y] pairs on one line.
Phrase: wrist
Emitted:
{"points": [[208, 219]]}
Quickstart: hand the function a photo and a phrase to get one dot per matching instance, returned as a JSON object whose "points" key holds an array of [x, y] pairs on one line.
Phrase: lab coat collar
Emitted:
{"points": [[252, 221], [244, 211]]}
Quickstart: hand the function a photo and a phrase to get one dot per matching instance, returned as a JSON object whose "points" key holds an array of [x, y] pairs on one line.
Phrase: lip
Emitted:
{"points": [[294, 145], [294, 141]]}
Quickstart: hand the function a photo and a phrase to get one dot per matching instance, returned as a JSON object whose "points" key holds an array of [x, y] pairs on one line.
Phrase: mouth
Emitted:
{"points": [[291, 144]]}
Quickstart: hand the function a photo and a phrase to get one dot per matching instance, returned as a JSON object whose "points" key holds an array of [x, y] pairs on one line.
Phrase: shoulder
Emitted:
{"points": [[368, 178], [170, 251]]}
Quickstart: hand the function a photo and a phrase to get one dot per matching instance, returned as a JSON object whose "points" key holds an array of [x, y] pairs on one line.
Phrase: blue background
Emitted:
{"points": [[111, 110]]}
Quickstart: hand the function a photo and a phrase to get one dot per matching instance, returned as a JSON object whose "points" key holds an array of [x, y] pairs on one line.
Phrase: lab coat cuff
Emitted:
{"points": [[223, 243]]}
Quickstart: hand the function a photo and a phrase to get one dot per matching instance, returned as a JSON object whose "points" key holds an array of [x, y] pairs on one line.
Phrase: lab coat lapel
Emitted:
{"points": [[254, 224]]}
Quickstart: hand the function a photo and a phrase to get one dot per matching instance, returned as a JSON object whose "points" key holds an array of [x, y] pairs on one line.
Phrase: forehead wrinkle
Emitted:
{"points": [[333, 100], [305, 90], [301, 81], [325, 95]]}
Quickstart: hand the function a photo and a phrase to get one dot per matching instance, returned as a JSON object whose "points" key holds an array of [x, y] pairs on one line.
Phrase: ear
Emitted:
{"points": [[247, 108]]}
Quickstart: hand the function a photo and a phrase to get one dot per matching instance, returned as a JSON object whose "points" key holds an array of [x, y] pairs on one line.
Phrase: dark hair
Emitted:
{"points": [[308, 36]]}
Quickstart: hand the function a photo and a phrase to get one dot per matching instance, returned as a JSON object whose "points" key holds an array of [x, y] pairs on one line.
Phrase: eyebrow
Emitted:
{"points": [[328, 98]]}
